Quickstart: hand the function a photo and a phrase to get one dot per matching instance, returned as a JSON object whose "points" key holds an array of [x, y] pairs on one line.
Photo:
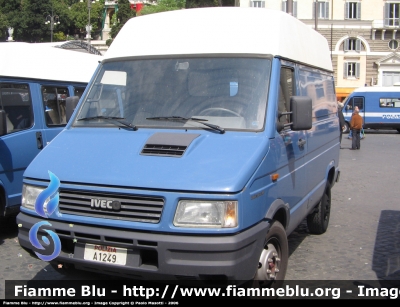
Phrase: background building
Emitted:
{"points": [[362, 34]]}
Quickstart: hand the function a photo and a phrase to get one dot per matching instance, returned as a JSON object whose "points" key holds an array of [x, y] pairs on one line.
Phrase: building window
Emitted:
{"points": [[322, 9], [351, 70], [392, 14], [353, 10], [284, 7], [257, 3], [393, 44], [352, 44]]}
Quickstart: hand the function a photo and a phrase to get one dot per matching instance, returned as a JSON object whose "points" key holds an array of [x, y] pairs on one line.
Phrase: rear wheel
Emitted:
{"points": [[273, 261], [318, 220]]}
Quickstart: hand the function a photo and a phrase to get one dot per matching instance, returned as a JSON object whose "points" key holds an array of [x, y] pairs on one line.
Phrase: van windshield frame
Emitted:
{"points": [[228, 92]]}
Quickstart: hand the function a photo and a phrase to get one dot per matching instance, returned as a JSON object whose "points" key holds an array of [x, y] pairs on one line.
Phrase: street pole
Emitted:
{"points": [[52, 19], [316, 15], [289, 7], [89, 26]]}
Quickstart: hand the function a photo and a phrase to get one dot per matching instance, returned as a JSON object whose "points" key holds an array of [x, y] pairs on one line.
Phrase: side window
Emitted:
{"points": [[54, 104], [389, 102], [349, 105], [16, 101], [78, 91], [285, 92], [358, 102]]}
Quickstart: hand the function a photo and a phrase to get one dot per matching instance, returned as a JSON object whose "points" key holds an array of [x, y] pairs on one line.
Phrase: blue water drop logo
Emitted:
{"points": [[51, 193]]}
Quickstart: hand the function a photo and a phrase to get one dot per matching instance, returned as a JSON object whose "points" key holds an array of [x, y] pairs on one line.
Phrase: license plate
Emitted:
{"points": [[105, 254]]}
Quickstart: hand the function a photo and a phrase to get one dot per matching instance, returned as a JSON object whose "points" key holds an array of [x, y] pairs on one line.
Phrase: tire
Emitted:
{"points": [[273, 259], [318, 220], [346, 128], [398, 130]]}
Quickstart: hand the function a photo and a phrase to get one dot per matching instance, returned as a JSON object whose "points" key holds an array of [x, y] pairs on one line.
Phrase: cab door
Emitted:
{"points": [[292, 146]]}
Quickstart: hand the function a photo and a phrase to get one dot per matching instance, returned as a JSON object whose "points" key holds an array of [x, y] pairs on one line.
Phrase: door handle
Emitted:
{"points": [[39, 140], [301, 142]]}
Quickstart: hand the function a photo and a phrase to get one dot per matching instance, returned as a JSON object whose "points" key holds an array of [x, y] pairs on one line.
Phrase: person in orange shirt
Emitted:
{"points": [[356, 124]]}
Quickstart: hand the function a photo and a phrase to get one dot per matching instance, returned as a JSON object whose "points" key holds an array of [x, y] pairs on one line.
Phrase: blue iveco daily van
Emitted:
{"points": [[192, 155], [35, 80], [379, 107]]}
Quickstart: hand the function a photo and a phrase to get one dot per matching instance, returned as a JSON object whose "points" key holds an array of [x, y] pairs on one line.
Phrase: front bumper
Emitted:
{"points": [[155, 256]]}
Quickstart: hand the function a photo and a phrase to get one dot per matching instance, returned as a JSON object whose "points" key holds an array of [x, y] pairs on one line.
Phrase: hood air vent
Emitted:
{"points": [[168, 144]]}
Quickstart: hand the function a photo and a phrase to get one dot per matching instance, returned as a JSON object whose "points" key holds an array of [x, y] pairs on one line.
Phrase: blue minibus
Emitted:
{"points": [[35, 81], [379, 107]]}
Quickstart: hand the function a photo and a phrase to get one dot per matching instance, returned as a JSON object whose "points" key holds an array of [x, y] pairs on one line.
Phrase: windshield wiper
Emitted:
{"points": [[180, 118], [116, 118]]}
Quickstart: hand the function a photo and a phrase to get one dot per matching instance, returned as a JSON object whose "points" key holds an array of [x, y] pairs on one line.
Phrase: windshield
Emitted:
{"points": [[227, 93]]}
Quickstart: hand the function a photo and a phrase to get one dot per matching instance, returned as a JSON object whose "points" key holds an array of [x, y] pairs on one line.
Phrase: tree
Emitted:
{"points": [[123, 14], [79, 16], [3, 24], [30, 21], [28, 17], [163, 6], [203, 3], [10, 10]]}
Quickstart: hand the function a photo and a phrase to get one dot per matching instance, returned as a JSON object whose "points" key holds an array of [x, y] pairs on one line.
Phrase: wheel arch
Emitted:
{"points": [[331, 176], [279, 211]]}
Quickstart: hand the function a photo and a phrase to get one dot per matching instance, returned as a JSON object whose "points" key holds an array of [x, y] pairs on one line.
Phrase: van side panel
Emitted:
{"points": [[323, 139]]}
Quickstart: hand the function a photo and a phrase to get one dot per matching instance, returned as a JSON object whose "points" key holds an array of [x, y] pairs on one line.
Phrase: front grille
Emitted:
{"points": [[163, 150], [133, 208]]}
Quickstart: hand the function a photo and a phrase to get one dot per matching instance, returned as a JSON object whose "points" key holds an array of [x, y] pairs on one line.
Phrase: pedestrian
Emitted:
{"points": [[342, 122], [350, 136], [356, 124]]}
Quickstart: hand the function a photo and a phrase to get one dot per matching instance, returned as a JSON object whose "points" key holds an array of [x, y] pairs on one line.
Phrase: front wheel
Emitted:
{"points": [[318, 220], [346, 128], [273, 261]]}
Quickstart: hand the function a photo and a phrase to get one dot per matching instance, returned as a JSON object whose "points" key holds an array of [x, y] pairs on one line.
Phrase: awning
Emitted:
{"points": [[344, 91]]}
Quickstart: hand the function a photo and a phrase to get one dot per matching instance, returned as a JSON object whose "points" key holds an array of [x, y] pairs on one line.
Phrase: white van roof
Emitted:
{"points": [[221, 30], [377, 89], [37, 61]]}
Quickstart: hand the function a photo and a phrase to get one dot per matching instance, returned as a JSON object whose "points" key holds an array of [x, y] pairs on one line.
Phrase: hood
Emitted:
{"points": [[210, 162]]}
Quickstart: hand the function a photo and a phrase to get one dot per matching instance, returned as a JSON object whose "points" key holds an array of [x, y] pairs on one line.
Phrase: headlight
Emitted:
{"points": [[29, 195], [210, 214]]}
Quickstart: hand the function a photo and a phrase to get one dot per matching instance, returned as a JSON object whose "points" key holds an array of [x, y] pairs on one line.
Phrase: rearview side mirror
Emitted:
{"points": [[70, 105], [301, 116]]}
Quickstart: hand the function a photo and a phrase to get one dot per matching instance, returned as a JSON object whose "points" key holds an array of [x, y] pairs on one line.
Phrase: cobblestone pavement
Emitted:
{"points": [[362, 241]]}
